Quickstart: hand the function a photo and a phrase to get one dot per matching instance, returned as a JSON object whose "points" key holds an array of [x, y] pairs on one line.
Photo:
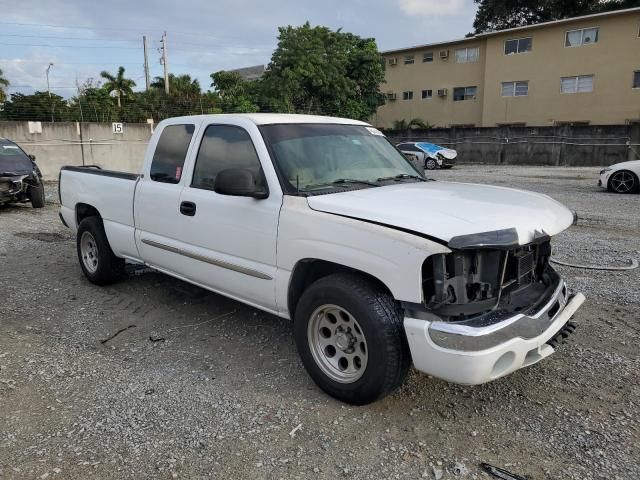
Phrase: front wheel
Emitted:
{"points": [[430, 164], [98, 262], [623, 182], [350, 336], [36, 195]]}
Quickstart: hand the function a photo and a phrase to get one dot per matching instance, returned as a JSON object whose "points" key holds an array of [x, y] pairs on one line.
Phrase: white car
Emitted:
{"points": [[621, 177], [323, 221], [430, 155]]}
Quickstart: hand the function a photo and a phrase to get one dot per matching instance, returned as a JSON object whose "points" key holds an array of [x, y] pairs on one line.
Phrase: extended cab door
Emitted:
{"points": [[157, 199], [231, 240]]}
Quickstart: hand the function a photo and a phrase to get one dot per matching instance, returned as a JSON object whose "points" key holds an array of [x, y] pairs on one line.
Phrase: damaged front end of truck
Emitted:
{"points": [[492, 300]]}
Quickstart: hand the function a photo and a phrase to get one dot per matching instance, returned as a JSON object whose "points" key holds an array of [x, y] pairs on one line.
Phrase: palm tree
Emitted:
{"points": [[179, 86], [123, 87], [3, 83]]}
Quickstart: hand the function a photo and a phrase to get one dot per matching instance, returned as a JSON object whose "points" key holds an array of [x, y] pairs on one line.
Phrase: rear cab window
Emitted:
{"points": [[169, 157]]}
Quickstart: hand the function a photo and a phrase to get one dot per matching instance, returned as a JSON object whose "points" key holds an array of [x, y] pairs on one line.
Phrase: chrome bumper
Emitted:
{"points": [[470, 336]]}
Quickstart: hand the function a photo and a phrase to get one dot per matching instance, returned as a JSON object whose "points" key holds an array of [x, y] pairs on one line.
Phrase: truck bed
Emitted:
{"points": [[111, 192]]}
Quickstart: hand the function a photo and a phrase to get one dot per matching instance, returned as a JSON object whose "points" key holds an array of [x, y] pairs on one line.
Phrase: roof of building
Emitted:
{"points": [[480, 36], [251, 73]]}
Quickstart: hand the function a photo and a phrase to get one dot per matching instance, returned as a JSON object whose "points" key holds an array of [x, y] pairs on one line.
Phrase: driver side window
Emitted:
{"points": [[223, 147]]}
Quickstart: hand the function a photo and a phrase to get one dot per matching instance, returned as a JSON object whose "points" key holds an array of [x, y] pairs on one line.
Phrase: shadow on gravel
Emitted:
{"points": [[46, 237]]}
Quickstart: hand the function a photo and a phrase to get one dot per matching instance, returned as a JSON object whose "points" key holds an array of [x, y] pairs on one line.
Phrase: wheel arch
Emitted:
{"points": [[309, 270], [84, 210]]}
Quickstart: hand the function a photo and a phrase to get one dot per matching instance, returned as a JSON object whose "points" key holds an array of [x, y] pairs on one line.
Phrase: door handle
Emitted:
{"points": [[188, 209]]}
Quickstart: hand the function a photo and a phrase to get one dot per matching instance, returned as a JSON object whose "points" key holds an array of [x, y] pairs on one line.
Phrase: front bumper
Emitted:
{"points": [[473, 354], [603, 181]]}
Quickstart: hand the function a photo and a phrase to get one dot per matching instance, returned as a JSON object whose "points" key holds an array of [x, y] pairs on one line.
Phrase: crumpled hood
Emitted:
{"points": [[433, 150], [445, 209]]}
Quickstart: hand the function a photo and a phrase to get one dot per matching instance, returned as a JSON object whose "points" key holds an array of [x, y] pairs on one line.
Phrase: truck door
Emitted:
{"points": [[157, 200], [230, 241]]}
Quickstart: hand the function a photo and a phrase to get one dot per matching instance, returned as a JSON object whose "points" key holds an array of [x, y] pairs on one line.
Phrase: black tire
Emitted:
{"points": [[430, 164], [629, 176], [36, 195], [108, 267], [381, 320]]}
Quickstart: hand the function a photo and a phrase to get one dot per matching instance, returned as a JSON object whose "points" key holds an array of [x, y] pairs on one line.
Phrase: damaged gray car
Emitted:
{"points": [[20, 177]]}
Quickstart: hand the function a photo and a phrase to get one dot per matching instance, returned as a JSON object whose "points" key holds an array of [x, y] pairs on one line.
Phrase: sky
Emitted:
{"points": [[83, 37]]}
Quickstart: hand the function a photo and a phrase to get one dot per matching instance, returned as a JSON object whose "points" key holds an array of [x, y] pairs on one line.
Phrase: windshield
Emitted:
{"points": [[313, 157], [13, 159]]}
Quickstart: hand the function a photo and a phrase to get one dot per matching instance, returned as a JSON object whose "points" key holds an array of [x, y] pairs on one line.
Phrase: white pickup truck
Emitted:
{"points": [[323, 221]]}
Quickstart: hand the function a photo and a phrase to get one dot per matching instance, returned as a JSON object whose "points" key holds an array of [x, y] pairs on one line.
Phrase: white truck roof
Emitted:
{"points": [[271, 118]]}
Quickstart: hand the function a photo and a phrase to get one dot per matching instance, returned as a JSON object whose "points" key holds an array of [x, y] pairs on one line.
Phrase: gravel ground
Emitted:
{"points": [[221, 394]]}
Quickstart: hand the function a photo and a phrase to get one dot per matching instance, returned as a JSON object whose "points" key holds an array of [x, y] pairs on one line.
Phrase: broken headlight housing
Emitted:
{"points": [[471, 282]]}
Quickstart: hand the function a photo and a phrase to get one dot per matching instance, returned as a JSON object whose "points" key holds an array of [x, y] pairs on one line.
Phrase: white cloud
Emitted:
{"points": [[432, 7]]}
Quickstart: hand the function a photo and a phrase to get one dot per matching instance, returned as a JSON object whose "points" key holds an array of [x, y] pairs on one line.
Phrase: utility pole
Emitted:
{"points": [[49, 90], [146, 61], [165, 63]]}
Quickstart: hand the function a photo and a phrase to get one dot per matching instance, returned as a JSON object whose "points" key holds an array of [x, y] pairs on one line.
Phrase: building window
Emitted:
{"points": [[517, 45], [464, 93], [467, 55], [408, 59], [407, 95], [636, 79], [584, 36], [515, 89], [578, 84], [427, 94], [427, 57]]}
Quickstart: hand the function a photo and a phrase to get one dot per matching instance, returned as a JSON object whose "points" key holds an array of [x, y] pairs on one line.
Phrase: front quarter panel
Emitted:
{"points": [[393, 257]]}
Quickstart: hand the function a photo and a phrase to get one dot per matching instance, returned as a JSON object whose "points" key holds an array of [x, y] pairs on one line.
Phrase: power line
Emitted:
{"points": [[62, 38], [77, 27], [67, 63], [66, 46], [94, 27]]}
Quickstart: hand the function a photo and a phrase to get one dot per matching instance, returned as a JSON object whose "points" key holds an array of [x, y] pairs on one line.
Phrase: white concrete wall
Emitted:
{"points": [[71, 143]]}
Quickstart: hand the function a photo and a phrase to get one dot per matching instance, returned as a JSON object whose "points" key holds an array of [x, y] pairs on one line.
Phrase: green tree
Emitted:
{"points": [[317, 70], [38, 106], [182, 86], [234, 93], [500, 14], [3, 84], [414, 123], [119, 85], [93, 104]]}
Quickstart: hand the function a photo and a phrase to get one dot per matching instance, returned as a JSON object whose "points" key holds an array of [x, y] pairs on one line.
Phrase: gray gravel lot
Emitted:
{"points": [[219, 396]]}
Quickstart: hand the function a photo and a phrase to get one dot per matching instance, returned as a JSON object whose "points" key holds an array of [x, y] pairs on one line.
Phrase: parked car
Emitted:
{"points": [[432, 156], [621, 177], [20, 177], [322, 221]]}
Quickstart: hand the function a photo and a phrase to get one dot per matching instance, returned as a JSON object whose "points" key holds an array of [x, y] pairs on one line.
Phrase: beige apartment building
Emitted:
{"points": [[583, 70]]}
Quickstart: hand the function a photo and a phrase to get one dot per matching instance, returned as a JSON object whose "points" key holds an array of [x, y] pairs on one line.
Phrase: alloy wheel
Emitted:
{"points": [[623, 182], [337, 343], [89, 252]]}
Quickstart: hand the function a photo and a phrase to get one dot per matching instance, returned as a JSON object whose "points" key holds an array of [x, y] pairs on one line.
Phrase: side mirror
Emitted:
{"points": [[32, 157], [239, 182]]}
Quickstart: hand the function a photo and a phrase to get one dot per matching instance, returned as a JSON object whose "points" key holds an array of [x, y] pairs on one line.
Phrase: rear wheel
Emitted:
{"points": [[97, 260], [36, 194], [623, 182], [350, 336]]}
